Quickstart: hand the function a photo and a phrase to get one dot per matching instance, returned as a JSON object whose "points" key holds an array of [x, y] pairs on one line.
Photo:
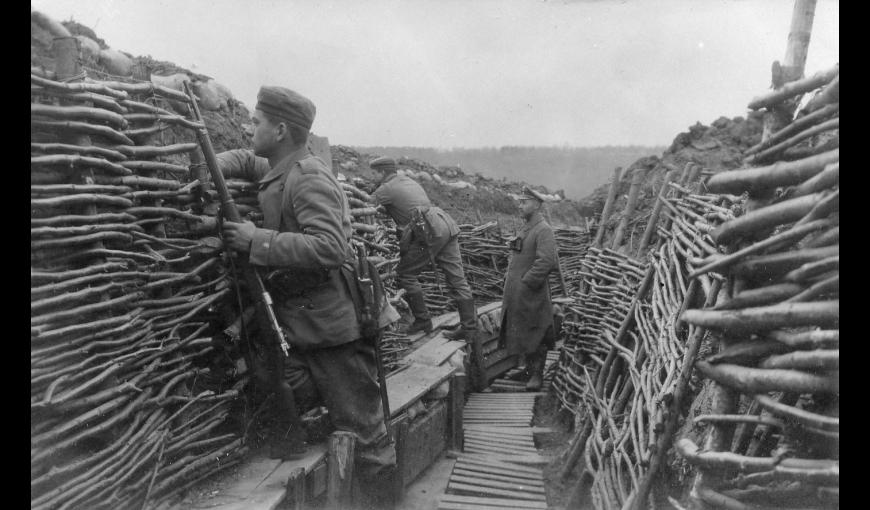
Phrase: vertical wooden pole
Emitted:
{"points": [[602, 223], [296, 486], [633, 192], [558, 260], [454, 415], [608, 207], [400, 429], [666, 224], [654, 215], [340, 464], [798, 39], [792, 68], [693, 174], [684, 176], [67, 51]]}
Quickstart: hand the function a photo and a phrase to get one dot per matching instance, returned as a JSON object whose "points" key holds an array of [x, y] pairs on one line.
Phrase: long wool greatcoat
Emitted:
{"points": [[311, 231], [527, 311]]}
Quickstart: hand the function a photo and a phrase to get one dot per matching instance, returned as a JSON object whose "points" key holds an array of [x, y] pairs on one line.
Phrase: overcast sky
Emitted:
{"points": [[472, 73]]}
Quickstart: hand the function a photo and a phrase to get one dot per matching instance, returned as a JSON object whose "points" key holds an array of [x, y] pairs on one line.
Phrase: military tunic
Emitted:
{"points": [[306, 227], [310, 232], [399, 194], [527, 312]]}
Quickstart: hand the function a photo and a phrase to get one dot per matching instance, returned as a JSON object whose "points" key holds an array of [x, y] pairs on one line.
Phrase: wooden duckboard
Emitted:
{"points": [[261, 483]]}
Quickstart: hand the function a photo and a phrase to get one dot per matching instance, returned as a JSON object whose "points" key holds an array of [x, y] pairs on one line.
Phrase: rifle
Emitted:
{"points": [[268, 320], [369, 324]]}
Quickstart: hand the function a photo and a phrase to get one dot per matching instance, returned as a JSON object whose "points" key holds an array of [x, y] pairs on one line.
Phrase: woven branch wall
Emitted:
{"points": [[751, 286]]}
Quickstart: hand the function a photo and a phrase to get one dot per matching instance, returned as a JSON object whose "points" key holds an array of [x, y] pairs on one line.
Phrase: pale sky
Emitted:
{"points": [[474, 73]]}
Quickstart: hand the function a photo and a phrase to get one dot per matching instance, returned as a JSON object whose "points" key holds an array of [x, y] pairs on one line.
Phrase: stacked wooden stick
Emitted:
{"points": [[128, 399], [774, 434]]}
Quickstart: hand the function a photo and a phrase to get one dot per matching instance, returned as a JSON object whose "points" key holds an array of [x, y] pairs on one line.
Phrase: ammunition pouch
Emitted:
{"points": [[284, 284]]}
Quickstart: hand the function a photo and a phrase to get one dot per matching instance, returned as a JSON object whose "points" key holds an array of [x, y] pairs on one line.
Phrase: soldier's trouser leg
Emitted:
{"points": [[412, 263], [289, 434], [450, 262], [345, 378]]}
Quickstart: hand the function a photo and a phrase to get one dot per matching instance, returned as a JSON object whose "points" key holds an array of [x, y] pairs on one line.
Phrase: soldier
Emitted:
{"points": [[527, 312], [428, 236], [303, 242]]}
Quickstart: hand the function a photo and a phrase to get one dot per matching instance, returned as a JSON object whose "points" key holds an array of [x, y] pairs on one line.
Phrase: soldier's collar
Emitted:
{"points": [[534, 220], [284, 165]]}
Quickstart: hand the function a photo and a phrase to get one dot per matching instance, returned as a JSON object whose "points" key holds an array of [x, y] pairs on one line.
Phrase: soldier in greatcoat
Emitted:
{"points": [[527, 312], [304, 239]]}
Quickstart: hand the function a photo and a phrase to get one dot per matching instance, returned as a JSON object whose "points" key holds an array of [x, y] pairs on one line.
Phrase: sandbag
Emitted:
{"points": [[52, 26], [174, 82], [116, 62], [460, 185], [90, 48], [209, 95]]}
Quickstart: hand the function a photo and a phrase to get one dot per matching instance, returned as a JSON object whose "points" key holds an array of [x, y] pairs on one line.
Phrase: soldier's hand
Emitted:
{"points": [[238, 236]]}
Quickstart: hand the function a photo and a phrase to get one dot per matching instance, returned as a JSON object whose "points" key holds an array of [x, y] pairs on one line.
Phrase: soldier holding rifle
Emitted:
{"points": [[304, 240]]}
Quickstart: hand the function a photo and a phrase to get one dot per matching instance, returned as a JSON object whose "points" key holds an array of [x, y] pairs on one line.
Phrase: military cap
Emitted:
{"points": [[384, 163], [530, 194], [286, 105]]}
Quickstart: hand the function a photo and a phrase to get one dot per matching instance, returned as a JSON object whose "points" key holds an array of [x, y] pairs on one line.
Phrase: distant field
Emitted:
{"points": [[577, 170]]}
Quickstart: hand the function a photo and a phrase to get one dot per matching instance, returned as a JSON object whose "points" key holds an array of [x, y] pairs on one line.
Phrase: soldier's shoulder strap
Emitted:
{"points": [[308, 165]]}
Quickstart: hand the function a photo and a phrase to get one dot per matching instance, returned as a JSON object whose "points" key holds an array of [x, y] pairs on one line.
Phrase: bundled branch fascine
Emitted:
{"points": [[773, 439], [129, 400]]}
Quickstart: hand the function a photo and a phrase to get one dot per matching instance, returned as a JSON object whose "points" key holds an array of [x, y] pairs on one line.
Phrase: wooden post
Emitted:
{"points": [[798, 39], [478, 375], [666, 224], [654, 216], [296, 486], [633, 191], [67, 51], [684, 177], [454, 415], [558, 259], [693, 175], [608, 207], [792, 67], [400, 429], [340, 464], [602, 223]]}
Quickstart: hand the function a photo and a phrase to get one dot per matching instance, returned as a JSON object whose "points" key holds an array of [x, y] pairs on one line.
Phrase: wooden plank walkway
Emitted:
{"points": [[500, 467]]}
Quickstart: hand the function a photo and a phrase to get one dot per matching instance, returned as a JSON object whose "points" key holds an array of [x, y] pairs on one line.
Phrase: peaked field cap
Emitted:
{"points": [[286, 104], [384, 163], [530, 194]]}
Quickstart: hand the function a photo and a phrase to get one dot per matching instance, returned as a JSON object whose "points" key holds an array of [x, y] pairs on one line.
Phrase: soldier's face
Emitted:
{"points": [[528, 207], [265, 134], [379, 175]]}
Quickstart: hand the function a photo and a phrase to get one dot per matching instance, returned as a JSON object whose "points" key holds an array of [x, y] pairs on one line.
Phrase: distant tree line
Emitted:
{"points": [[576, 170]]}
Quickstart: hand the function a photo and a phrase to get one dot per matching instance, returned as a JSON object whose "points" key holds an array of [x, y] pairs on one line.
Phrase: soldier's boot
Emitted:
{"points": [[422, 319], [467, 321], [535, 366], [288, 441]]}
